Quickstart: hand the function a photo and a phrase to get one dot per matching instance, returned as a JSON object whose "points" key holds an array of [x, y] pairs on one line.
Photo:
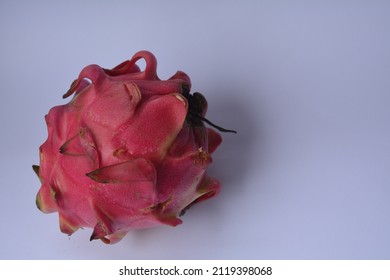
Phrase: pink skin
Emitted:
{"points": [[121, 155]]}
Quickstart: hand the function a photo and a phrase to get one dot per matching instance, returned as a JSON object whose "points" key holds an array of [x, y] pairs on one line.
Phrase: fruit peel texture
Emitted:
{"points": [[123, 153]]}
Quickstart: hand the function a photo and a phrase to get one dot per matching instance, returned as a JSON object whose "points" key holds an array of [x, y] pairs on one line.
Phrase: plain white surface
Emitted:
{"points": [[306, 84]]}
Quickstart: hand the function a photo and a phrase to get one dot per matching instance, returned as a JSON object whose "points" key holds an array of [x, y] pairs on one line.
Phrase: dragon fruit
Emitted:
{"points": [[129, 151]]}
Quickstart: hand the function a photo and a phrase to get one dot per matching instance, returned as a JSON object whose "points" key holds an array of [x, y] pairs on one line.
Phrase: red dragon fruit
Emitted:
{"points": [[129, 151]]}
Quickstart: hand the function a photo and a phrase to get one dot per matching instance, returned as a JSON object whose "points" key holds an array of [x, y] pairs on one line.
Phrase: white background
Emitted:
{"points": [[306, 84]]}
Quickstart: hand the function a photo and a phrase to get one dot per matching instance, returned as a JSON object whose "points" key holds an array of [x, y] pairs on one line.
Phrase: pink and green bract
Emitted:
{"points": [[129, 151]]}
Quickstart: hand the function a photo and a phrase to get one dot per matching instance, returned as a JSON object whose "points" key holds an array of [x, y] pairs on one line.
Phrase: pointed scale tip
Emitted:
{"points": [[103, 239], [94, 236], [67, 226], [36, 169], [72, 147], [109, 239], [71, 89], [38, 202], [117, 173], [43, 205], [99, 233]]}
